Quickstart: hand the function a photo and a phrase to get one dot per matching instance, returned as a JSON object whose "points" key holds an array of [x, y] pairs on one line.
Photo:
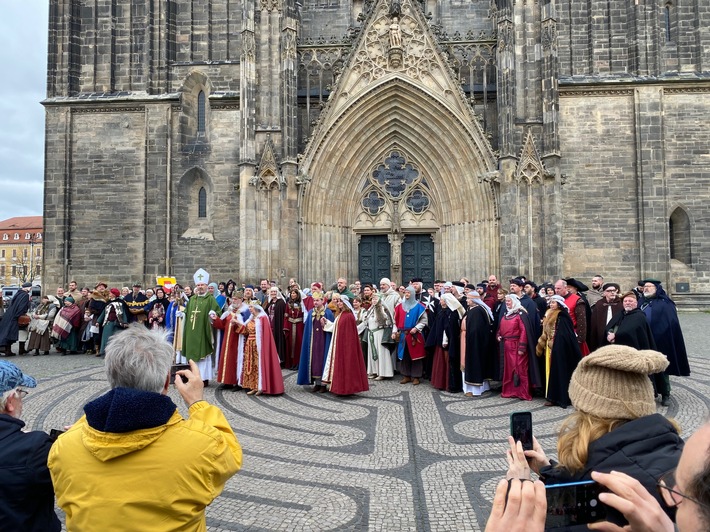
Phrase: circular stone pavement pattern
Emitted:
{"points": [[399, 457]]}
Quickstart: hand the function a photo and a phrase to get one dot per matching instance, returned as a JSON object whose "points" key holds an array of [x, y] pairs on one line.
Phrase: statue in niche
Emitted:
{"points": [[395, 34]]}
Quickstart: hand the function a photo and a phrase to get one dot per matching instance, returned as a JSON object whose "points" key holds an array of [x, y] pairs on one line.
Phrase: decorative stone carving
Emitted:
{"points": [[248, 46], [270, 5], [530, 168], [267, 174], [549, 35], [289, 44]]}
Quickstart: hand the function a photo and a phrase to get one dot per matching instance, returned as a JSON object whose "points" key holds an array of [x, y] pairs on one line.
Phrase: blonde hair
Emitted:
{"points": [[578, 431]]}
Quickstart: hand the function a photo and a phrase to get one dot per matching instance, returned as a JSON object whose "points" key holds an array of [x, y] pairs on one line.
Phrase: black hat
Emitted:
{"points": [[482, 285], [458, 283], [653, 281], [416, 280], [469, 287], [532, 284], [517, 281], [26, 285], [577, 284], [611, 285]]}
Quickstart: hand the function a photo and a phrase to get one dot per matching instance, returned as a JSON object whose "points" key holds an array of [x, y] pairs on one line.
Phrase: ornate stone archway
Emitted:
{"points": [[397, 93]]}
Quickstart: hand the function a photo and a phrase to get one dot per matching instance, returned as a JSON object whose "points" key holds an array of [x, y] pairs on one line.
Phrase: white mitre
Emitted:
{"points": [[201, 276]]}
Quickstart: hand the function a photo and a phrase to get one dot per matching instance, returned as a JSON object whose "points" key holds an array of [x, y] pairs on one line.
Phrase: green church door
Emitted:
{"points": [[418, 258], [373, 258]]}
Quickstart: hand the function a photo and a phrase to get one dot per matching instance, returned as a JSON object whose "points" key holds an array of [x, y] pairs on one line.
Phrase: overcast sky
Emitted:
{"points": [[23, 63]]}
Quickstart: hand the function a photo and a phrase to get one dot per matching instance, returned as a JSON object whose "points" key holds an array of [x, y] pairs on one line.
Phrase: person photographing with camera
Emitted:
{"points": [[132, 462]]}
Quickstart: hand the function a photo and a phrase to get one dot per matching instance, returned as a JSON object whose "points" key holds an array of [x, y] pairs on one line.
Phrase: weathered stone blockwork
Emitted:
{"points": [[543, 137]]}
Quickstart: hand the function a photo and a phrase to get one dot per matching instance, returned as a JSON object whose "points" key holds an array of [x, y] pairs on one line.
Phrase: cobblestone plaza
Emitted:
{"points": [[394, 458]]}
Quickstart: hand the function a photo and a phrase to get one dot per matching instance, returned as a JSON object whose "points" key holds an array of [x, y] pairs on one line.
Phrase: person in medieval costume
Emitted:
{"points": [[232, 349], [293, 328], [173, 323], [602, 313], [630, 327], [9, 326], [378, 321], [316, 342], [261, 370], [114, 318], [559, 346], [198, 340], [477, 346], [662, 316], [275, 308], [443, 338], [409, 320], [515, 341], [344, 370], [41, 325], [71, 314]]}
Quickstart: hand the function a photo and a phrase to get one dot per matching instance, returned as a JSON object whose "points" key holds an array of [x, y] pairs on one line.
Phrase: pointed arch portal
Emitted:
{"points": [[451, 157]]}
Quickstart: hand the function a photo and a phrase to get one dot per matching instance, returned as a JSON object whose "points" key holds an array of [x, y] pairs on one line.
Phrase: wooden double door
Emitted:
{"points": [[375, 259]]}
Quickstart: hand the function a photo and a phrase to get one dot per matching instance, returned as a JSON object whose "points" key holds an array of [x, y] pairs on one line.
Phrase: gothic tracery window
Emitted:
{"points": [[395, 179]]}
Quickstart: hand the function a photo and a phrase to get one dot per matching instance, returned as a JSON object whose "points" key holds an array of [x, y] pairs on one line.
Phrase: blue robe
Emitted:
{"points": [[304, 366], [410, 320], [662, 316]]}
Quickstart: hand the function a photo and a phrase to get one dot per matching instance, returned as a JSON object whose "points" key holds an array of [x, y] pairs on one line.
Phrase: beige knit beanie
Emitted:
{"points": [[612, 382]]}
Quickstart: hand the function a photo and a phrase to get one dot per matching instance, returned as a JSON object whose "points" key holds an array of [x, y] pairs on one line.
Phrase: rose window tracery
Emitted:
{"points": [[395, 181]]}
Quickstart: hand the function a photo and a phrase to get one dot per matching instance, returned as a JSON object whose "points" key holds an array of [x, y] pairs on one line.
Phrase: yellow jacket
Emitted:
{"points": [[159, 478]]}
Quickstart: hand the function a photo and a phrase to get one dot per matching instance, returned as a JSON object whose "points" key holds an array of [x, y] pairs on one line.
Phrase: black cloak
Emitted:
{"points": [[565, 357], [480, 354]]}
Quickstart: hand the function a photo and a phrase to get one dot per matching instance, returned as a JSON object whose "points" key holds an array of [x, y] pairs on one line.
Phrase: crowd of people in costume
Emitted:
{"points": [[606, 352], [459, 336]]}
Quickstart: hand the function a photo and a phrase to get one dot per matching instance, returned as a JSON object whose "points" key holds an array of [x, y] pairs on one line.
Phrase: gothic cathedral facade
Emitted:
{"points": [[436, 138]]}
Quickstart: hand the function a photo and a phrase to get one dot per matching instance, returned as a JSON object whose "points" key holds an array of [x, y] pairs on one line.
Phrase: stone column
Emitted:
{"points": [[248, 204], [654, 253]]}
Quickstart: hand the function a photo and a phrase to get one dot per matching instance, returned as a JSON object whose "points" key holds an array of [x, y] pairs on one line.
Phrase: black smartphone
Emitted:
{"points": [[576, 503], [55, 433], [175, 368], [521, 429]]}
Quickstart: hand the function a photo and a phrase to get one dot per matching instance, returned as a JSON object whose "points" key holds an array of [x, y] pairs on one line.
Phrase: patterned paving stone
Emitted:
{"points": [[394, 458]]}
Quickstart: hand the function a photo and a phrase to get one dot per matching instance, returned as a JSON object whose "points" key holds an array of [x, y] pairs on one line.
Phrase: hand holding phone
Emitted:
{"points": [[575, 503], [521, 429]]}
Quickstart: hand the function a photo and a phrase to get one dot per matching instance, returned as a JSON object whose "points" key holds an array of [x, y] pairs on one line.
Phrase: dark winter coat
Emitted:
{"points": [[9, 328], [26, 488], [644, 448]]}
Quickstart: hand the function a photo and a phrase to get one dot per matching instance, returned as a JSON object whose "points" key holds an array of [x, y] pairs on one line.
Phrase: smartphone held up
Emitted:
{"points": [[521, 429]]}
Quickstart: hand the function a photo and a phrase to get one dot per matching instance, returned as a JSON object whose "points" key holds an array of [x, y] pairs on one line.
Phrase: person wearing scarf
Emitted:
{"points": [[409, 320], [558, 344], [344, 369], [71, 313], [114, 318], [513, 342], [378, 321], [41, 325]]}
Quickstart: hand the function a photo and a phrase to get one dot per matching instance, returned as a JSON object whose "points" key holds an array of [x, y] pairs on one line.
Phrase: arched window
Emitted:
{"points": [[667, 20], [679, 232], [201, 112], [202, 203]]}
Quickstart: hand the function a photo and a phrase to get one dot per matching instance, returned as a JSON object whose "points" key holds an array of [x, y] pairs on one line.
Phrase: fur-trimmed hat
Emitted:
{"points": [[612, 382]]}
